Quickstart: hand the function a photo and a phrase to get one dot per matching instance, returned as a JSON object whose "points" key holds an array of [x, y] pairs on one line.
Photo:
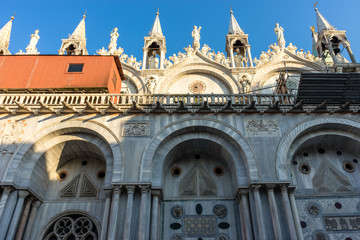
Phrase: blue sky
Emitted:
{"points": [[56, 19]]}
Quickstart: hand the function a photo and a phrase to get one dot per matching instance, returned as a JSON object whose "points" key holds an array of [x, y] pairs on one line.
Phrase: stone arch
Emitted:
{"points": [[153, 160], [132, 74], [30, 151], [52, 220], [315, 124], [268, 69], [179, 71]]}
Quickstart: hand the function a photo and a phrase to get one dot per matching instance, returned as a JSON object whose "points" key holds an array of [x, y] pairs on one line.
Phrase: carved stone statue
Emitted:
{"points": [[31, 48], [279, 31], [151, 83], [205, 49], [153, 61], [196, 36], [167, 63], [114, 36], [138, 65], [188, 50], [174, 58], [218, 57], [131, 60], [238, 58], [291, 48]]}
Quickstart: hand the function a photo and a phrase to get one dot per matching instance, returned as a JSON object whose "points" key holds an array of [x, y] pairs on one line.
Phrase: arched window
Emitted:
{"points": [[72, 226]]}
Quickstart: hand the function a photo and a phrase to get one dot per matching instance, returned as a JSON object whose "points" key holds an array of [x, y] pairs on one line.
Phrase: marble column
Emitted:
{"points": [[114, 213], [34, 207], [288, 213], [249, 56], [22, 194], [244, 214], [8, 213], [24, 218], [129, 210], [331, 51], [144, 58], [232, 57], [351, 54], [105, 221], [155, 214], [296, 215], [259, 212], [274, 211], [4, 198], [162, 57], [143, 221]]}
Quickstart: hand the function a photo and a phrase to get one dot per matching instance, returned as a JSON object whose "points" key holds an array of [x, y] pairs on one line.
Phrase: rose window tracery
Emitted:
{"points": [[74, 226]]}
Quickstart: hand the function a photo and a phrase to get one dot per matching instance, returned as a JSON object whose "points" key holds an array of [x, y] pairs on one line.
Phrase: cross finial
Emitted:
{"points": [[231, 11], [84, 16], [157, 13], [13, 16], [315, 5]]}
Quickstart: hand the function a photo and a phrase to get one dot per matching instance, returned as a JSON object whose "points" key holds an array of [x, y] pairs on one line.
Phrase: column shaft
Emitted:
{"points": [[245, 215], [114, 213], [232, 58], [7, 214], [143, 221], [17, 214], [23, 220], [155, 217], [34, 207], [4, 198], [259, 213], [144, 59], [162, 57], [249, 56], [129, 210], [105, 220], [352, 57], [296, 216], [289, 217], [274, 212], [331, 51]]}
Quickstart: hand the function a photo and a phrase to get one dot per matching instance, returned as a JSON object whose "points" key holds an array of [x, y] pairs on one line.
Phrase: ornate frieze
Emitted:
{"points": [[10, 136], [342, 223], [262, 128], [136, 129]]}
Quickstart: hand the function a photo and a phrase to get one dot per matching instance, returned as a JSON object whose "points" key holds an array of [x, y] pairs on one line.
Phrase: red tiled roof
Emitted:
{"points": [[50, 71]]}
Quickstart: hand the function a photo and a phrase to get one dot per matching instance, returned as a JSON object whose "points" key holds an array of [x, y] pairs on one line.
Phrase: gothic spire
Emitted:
{"points": [[156, 28], [5, 35], [79, 32], [322, 23], [234, 27]]}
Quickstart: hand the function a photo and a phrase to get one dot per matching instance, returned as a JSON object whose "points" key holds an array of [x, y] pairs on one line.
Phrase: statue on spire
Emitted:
{"points": [[113, 41], [279, 31], [31, 48], [196, 36]]}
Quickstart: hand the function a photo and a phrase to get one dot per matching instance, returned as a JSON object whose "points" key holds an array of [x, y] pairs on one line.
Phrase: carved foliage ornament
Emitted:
{"points": [[136, 129]]}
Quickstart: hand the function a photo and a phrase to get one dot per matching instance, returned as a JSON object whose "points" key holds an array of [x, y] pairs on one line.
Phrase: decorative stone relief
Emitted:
{"points": [[70, 189], [197, 87], [342, 223], [220, 211], [329, 180], [197, 183], [10, 136], [177, 211], [313, 210], [136, 129], [200, 226], [88, 189], [262, 128]]}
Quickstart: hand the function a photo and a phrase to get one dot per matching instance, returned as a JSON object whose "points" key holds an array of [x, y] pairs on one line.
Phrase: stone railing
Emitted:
{"points": [[127, 99], [160, 103]]}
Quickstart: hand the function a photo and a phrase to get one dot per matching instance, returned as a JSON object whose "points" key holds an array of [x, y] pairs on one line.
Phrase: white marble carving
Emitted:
{"points": [[279, 31], [196, 36], [10, 137], [136, 129], [262, 128]]}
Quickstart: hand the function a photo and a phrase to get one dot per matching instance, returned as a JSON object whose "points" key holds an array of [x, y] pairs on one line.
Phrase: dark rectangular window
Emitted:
{"points": [[76, 67]]}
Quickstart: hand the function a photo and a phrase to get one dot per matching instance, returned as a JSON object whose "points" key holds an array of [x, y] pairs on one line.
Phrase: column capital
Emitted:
{"points": [[36, 203], [270, 186], [284, 186], [243, 191], [23, 193], [130, 189], [256, 187], [346, 44], [108, 192], [116, 189], [156, 192], [144, 188], [7, 189]]}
